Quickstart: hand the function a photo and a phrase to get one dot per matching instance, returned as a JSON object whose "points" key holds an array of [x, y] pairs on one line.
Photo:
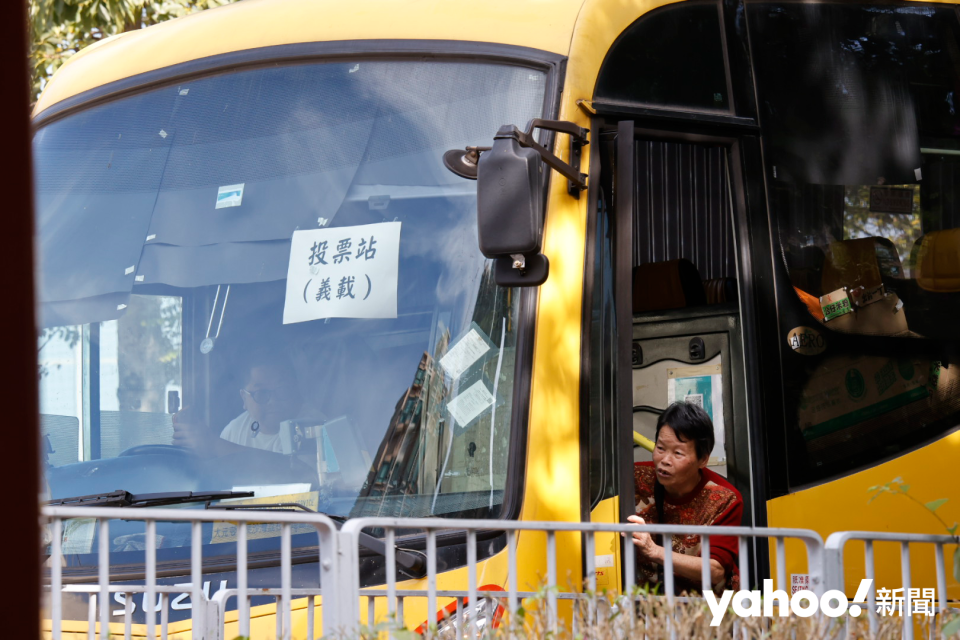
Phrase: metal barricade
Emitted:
{"points": [[833, 565], [328, 563], [350, 552], [338, 560]]}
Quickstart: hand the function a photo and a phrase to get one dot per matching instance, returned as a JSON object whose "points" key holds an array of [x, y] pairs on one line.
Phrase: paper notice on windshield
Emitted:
{"points": [[78, 535], [343, 272], [462, 355], [470, 403]]}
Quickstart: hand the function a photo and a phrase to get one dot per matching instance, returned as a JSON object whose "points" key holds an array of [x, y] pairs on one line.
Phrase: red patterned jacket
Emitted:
{"points": [[714, 501]]}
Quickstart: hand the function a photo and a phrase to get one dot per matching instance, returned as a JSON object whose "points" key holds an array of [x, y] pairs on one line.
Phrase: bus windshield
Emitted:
{"points": [[265, 280]]}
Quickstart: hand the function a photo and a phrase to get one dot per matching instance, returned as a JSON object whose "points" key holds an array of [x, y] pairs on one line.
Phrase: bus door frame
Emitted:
{"points": [[740, 136]]}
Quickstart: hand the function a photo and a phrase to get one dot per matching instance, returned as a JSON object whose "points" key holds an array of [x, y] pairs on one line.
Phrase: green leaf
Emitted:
{"points": [[956, 564], [873, 488], [953, 530], [951, 627], [933, 505], [904, 488]]}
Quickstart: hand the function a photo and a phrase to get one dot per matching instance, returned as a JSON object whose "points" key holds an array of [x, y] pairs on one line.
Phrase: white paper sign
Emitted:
{"points": [[230, 196], [343, 272], [470, 403], [468, 350]]}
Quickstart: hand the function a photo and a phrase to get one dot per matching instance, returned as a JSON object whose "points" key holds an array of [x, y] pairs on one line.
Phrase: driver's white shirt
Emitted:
{"points": [[238, 431]]}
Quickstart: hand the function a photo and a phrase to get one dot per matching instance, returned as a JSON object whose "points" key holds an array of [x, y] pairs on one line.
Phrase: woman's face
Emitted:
{"points": [[676, 461]]}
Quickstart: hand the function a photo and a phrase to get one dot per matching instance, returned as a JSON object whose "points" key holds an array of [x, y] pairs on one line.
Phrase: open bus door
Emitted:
{"points": [[678, 268]]}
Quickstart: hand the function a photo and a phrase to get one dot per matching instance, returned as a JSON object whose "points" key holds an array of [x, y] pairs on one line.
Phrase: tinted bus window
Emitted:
{"points": [[862, 141], [672, 57]]}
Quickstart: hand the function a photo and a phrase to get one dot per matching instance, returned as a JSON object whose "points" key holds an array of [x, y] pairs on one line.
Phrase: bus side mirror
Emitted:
{"points": [[510, 196]]}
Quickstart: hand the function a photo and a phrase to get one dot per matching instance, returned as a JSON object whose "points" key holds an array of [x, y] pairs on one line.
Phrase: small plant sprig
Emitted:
{"points": [[898, 487]]}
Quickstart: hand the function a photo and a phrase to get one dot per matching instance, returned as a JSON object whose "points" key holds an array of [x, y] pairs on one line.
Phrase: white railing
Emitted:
{"points": [[833, 564], [351, 531], [327, 562], [338, 562]]}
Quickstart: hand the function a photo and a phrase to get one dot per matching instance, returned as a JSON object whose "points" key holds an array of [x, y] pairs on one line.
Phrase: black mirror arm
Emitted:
{"points": [[525, 139]]}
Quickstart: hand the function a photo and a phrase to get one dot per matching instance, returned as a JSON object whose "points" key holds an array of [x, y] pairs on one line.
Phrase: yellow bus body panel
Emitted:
{"points": [[841, 505]]}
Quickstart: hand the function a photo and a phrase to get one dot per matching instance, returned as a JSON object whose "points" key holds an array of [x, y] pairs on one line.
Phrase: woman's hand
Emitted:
{"points": [[646, 547]]}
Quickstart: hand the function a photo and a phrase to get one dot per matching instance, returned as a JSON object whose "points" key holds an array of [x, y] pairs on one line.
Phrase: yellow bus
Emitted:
{"points": [[261, 280]]}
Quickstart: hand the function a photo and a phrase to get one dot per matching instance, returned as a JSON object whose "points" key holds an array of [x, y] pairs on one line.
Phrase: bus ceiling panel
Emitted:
{"points": [[226, 262], [64, 313], [271, 209]]}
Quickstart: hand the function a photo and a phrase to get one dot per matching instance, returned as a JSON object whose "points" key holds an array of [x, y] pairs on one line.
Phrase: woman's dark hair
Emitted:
{"points": [[690, 423]]}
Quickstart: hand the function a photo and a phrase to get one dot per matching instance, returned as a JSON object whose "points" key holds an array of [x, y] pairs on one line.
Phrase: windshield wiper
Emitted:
{"points": [[121, 498], [410, 562]]}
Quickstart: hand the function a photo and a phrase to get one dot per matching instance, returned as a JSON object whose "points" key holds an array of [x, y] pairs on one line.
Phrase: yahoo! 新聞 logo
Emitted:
{"points": [[804, 603]]}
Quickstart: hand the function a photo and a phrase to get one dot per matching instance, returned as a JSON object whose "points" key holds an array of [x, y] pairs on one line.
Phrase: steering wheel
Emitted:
{"points": [[156, 449]]}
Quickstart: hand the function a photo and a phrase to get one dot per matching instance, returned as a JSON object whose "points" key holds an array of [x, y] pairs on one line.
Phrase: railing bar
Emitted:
{"points": [[630, 576], [127, 615], [706, 581], [871, 593], [472, 579], [164, 615], [243, 600], [56, 577], [400, 611], [512, 602], [310, 622], [552, 580], [431, 578], [744, 562], [391, 560], [781, 565], [941, 578], [285, 579], [279, 601], [668, 569], [151, 597], [668, 586], [103, 580], [92, 616], [460, 626], [591, 559], [196, 577], [905, 576], [371, 611]]}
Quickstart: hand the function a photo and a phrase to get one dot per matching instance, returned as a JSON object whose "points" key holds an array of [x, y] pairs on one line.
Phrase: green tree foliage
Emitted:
{"points": [[60, 28]]}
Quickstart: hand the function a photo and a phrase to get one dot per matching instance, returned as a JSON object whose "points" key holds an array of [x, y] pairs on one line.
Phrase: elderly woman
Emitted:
{"points": [[677, 488]]}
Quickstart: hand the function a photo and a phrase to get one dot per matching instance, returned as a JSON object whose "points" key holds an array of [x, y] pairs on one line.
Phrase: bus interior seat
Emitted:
{"points": [[671, 284], [936, 256], [854, 264], [933, 304], [720, 290]]}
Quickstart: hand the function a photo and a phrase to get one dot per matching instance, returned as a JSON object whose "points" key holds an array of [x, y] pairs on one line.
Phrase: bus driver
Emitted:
{"points": [[269, 394]]}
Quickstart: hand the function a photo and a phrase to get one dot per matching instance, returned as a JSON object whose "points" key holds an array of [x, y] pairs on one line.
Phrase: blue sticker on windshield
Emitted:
{"points": [[229, 196]]}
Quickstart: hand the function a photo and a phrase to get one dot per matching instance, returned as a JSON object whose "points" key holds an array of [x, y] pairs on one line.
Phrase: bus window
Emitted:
{"points": [[671, 57], [167, 355], [862, 164]]}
